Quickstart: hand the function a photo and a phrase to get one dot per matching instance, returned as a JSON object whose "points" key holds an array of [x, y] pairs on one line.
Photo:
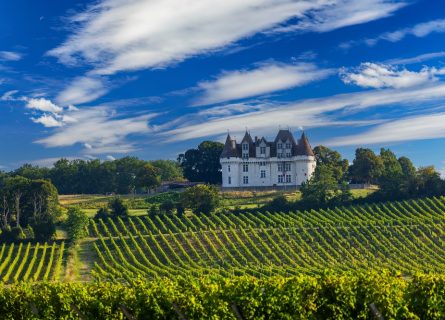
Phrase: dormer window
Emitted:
{"points": [[262, 150], [288, 146], [245, 147], [280, 146]]}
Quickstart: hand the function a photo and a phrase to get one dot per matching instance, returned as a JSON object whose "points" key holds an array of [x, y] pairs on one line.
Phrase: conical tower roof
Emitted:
{"points": [[229, 149], [304, 147]]}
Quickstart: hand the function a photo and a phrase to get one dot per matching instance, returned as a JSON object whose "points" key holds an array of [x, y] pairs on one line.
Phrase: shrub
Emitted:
{"points": [[76, 223], [102, 213], [201, 198], [118, 207], [167, 206]]}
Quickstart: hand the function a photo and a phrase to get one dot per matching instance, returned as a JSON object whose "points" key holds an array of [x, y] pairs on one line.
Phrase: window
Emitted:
{"points": [[280, 146], [287, 166], [245, 167], [230, 180], [262, 163], [245, 146], [280, 178], [245, 155], [288, 178], [280, 155], [280, 167], [288, 154], [228, 168], [288, 146], [263, 174], [262, 150], [246, 180]]}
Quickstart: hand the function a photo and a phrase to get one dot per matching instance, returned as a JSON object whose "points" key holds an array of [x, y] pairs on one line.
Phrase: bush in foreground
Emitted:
{"points": [[329, 296]]}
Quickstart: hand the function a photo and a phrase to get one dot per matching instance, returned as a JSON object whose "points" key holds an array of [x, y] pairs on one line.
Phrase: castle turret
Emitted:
{"points": [[304, 147]]}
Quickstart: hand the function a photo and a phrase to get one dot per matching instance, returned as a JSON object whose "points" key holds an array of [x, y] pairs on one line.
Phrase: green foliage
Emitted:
{"points": [[323, 189], [76, 224], [366, 167], [201, 198], [169, 170], [202, 164], [103, 213], [167, 206], [279, 203], [326, 297], [331, 159], [148, 177], [118, 207], [164, 196]]}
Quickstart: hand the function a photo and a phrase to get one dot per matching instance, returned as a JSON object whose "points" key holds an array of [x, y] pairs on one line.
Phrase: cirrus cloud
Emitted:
{"points": [[118, 35], [266, 78]]}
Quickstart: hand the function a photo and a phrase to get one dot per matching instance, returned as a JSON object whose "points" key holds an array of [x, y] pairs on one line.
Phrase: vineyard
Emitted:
{"points": [[405, 237], [31, 262]]}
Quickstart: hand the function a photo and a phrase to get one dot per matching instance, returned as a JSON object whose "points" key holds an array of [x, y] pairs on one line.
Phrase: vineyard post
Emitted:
{"points": [[178, 312], [77, 311], [236, 311], [126, 313], [375, 312]]}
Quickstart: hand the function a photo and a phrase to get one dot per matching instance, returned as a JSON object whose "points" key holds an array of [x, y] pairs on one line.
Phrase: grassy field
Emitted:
{"points": [[138, 204]]}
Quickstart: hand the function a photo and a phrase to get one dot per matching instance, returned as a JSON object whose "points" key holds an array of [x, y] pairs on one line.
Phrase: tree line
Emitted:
{"points": [[121, 176]]}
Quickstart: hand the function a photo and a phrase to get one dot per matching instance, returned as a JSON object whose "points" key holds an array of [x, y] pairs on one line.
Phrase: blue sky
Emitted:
{"points": [[152, 78]]}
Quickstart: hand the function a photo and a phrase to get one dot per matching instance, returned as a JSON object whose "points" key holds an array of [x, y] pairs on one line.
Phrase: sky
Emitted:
{"points": [[152, 78]]}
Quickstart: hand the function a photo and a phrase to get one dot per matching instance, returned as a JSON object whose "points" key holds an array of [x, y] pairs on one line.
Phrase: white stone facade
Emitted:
{"points": [[282, 163]]}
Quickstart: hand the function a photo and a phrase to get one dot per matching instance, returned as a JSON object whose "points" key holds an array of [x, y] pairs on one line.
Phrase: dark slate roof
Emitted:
{"points": [[247, 138], [300, 148], [304, 148], [230, 148]]}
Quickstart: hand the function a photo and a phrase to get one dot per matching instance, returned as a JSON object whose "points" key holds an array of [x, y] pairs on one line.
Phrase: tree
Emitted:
{"points": [[42, 203], [127, 169], [76, 223], [118, 207], [200, 198], [167, 206], [202, 164], [32, 172], [320, 189], [148, 177], [366, 167], [168, 170], [428, 182], [333, 160], [391, 176], [17, 187]]}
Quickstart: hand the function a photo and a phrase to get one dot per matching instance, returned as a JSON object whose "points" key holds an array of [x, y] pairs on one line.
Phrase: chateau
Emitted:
{"points": [[259, 163]]}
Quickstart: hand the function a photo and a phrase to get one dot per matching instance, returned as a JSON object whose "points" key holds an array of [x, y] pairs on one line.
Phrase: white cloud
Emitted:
{"points": [[48, 121], [418, 59], [110, 157], [42, 104], [419, 30], [10, 56], [375, 75], [99, 129], [9, 95], [307, 113], [421, 127], [266, 78], [82, 90], [344, 13], [117, 35]]}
